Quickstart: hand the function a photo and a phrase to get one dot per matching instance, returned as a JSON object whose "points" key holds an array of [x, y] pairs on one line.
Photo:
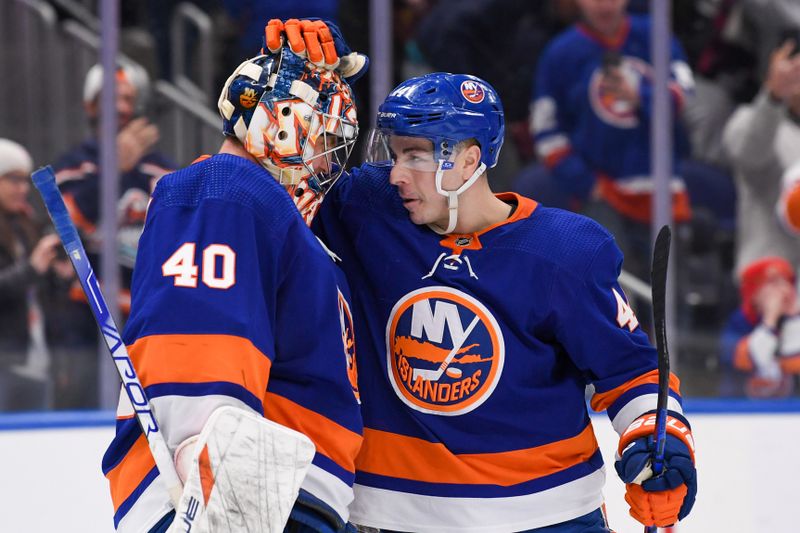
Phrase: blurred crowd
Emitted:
{"points": [[575, 77]]}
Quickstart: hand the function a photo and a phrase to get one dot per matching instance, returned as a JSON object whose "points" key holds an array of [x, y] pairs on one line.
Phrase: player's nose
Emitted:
{"points": [[398, 175], [320, 165]]}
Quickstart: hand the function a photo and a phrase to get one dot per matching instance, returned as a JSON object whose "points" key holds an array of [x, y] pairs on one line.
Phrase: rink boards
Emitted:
{"points": [[747, 460]]}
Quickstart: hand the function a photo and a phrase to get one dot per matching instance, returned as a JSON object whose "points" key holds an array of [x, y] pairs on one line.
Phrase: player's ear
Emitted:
{"points": [[472, 158]]}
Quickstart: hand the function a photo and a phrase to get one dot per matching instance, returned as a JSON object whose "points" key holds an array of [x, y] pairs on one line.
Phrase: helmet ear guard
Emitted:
{"points": [[297, 120]]}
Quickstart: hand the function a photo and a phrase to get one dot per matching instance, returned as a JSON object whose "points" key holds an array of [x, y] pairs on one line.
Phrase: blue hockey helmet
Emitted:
{"points": [[291, 115], [447, 109]]}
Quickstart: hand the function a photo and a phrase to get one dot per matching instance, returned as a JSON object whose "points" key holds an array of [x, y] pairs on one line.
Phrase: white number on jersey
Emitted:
{"points": [[625, 315], [182, 268]]}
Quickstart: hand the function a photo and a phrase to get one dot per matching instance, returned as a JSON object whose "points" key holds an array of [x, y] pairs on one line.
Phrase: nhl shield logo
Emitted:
{"points": [[445, 351], [472, 91]]}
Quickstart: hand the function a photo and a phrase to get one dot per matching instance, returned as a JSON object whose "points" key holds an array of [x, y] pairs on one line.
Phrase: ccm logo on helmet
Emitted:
{"points": [[472, 91]]}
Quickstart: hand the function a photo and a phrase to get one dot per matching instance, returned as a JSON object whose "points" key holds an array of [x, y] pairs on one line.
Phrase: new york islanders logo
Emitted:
{"points": [[607, 106], [445, 351], [248, 98], [472, 91], [349, 342]]}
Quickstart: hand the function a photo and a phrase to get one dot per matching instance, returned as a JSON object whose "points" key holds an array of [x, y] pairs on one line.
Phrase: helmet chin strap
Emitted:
{"points": [[452, 196]]}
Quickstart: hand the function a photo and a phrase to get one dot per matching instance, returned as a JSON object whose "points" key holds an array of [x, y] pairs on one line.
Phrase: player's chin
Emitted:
{"points": [[417, 217]]}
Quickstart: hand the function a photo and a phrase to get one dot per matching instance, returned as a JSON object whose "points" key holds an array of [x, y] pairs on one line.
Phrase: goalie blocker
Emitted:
{"points": [[241, 473]]}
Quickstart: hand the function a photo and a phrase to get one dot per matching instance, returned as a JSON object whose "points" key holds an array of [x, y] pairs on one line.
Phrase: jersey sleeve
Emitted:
{"points": [[601, 334], [230, 308], [78, 180], [550, 129]]}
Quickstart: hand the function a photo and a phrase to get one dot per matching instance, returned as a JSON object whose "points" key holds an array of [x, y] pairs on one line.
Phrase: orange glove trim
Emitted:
{"points": [[311, 36], [272, 35], [294, 35], [655, 508], [328, 46], [645, 426]]}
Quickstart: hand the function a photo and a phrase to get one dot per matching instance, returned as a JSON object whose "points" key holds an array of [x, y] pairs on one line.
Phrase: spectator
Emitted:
{"points": [[762, 140], [140, 167], [591, 120], [461, 36], [77, 175], [26, 259], [762, 338]]}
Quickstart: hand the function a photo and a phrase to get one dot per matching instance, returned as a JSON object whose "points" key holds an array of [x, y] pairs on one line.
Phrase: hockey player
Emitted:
{"points": [[483, 317], [237, 304]]}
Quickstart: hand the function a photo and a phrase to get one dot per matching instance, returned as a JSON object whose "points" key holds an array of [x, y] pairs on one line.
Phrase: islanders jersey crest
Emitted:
{"points": [[445, 351], [606, 106], [349, 342]]}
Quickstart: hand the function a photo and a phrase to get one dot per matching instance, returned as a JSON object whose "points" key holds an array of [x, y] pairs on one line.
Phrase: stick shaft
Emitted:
{"points": [[44, 180], [659, 288]]}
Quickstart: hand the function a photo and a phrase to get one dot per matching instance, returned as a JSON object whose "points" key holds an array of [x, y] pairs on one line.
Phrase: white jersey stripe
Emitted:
{"points": [[387, 509]]}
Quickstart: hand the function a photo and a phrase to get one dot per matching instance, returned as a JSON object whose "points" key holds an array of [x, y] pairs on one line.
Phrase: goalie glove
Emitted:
{"points": [[664, 499], [241, 473], [319, 41]]}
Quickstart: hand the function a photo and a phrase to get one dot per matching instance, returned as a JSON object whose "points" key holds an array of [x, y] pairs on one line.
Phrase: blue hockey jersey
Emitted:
{"points": [[475, 352], [587, 136], [235, 302]]}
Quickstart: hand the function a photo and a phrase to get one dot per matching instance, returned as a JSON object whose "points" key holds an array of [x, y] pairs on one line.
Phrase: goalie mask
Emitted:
{"points": [[297, 120], [445, 109]]}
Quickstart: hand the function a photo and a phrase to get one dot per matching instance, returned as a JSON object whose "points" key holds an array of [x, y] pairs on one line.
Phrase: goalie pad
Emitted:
{"points": [[242, 474]]}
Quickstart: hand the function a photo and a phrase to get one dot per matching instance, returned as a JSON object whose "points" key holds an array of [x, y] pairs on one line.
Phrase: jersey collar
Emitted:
{"points": [[614, 42], [471, 241]]}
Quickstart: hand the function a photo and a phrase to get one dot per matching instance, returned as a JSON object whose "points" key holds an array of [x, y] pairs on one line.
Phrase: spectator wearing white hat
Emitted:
{"points": [[140, 166], [27, 258], [78, 178]]}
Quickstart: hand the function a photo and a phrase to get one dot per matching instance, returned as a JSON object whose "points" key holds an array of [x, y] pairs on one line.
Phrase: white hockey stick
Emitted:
{"points": [[434, 375], [45, 181]]}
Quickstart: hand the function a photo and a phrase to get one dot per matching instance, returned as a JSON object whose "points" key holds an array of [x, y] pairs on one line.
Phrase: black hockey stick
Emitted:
{"points": [[658, 279]]}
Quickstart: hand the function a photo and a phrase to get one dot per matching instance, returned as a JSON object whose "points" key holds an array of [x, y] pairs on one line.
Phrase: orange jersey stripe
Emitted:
{"points": [[790, 365], [557, 156], [201, 359], [741, 356], [638, 206], [603, 400], [398, 456], [126, 476], [75, 213], [332, 440]]}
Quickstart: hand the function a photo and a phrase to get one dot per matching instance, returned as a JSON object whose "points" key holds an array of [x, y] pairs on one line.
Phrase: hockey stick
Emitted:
{"points": [[658, 279], [45, 180], [434, 375]]}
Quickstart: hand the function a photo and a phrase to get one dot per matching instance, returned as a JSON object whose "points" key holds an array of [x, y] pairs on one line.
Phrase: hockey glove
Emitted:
{"points": [[319, 41], [665, 499]]}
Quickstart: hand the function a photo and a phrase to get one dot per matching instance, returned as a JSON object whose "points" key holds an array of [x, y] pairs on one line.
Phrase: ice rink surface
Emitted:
{"points": [[748, 466]]}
